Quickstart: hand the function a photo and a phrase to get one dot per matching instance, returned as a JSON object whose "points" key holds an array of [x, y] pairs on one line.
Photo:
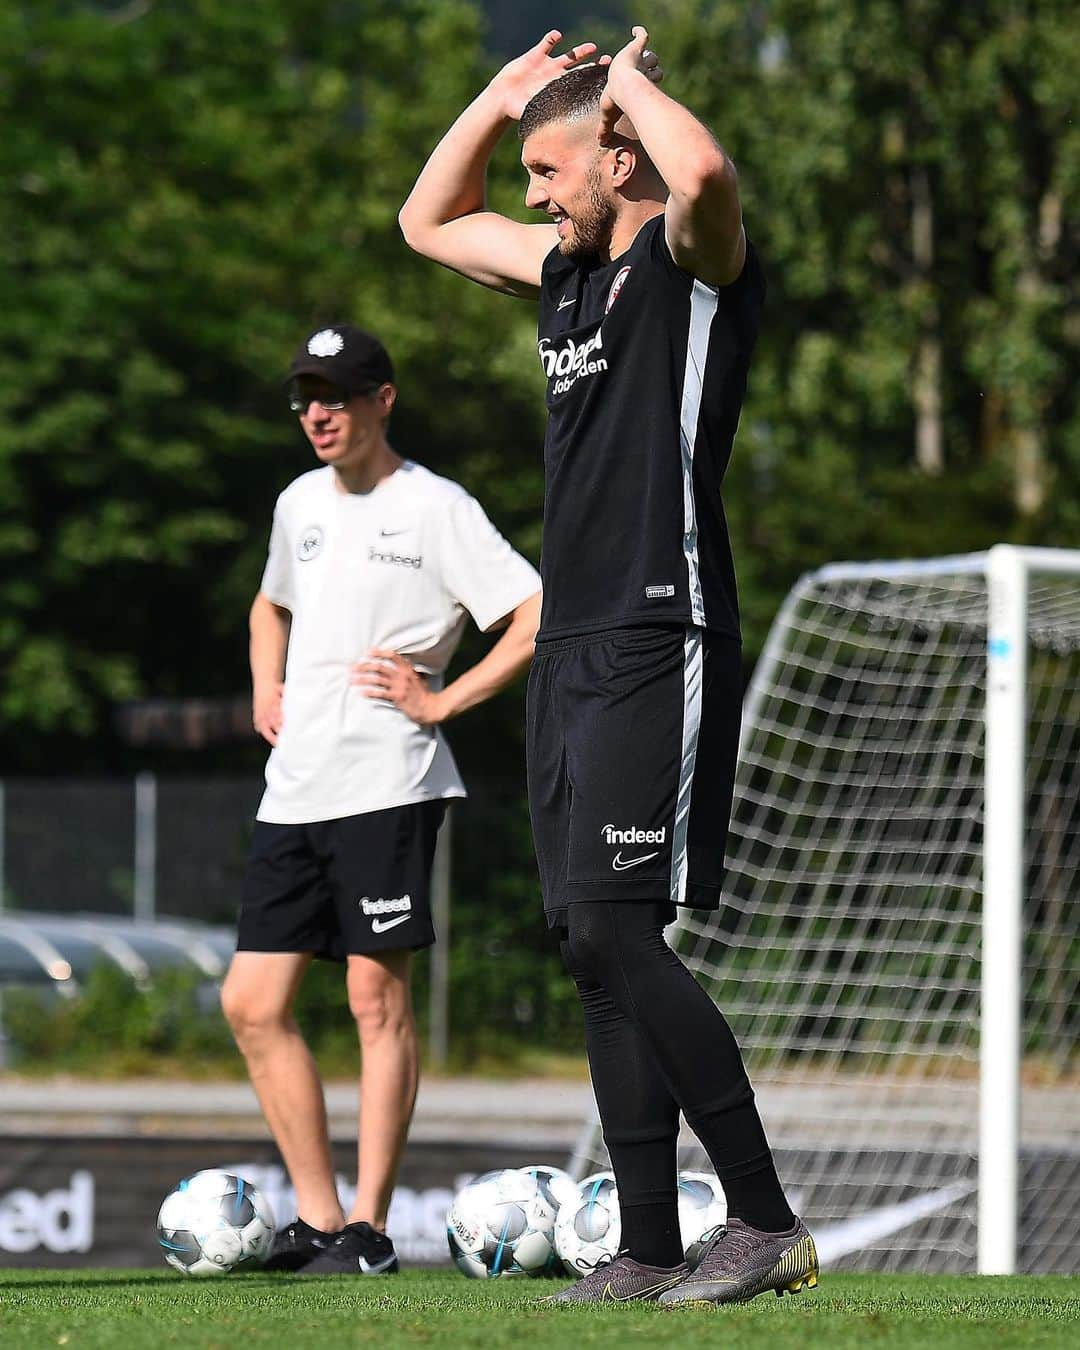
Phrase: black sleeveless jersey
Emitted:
{"points": [[646, 371]]}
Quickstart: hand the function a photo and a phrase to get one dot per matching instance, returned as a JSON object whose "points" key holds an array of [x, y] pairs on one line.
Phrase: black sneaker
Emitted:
{"points": [[358, 1249], [295, 1245]]}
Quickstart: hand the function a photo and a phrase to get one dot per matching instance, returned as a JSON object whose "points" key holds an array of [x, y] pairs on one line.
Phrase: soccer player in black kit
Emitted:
{"points": [[650, 298]]}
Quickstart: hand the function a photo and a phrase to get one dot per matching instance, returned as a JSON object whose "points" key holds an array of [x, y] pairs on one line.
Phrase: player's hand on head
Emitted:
{"points": [[389, 676], [266, 711], [636, 58], [527, 74]]}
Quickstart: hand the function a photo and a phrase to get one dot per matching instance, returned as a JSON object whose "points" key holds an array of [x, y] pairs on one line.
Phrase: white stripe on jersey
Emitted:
{"points": [[692, 685], [703, 303]]}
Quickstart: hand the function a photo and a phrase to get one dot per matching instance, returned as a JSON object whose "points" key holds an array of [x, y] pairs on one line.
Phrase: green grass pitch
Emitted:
{"points": [[129, 1310]]}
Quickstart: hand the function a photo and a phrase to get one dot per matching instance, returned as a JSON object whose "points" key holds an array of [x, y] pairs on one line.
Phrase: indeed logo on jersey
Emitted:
{"points": [[634, 835], [396, 559], [571, 361]]}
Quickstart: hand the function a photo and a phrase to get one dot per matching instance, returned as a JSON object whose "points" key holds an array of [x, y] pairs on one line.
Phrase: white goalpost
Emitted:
{"points": [[899, 946]]}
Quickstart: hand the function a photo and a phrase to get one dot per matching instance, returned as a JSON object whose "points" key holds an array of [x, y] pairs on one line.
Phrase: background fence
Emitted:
{"points": [[175, 847], [146, 846]]}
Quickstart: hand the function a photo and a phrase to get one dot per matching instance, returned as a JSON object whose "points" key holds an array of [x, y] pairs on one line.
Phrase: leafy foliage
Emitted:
{"points": [[191, 186], [114, 1027], [909, 173], [194, 190]]}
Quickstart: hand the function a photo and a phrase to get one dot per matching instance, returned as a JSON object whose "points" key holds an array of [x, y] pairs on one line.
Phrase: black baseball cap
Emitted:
{"points": [[346, 356]]}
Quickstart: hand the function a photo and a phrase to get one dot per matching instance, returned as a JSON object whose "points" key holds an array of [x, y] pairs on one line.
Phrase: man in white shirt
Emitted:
{"points": [[374, 565]]}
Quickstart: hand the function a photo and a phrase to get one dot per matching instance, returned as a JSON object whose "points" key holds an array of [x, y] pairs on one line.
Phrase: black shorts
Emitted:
{"points": [[632, 741], [344, 887]]}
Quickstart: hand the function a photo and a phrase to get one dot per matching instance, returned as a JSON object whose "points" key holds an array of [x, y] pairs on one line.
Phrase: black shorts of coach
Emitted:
{"points": [[355, 886], [632, 740]]}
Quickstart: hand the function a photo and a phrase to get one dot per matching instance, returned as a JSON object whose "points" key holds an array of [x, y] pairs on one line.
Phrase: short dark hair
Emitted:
{"points": [[573, 97]]}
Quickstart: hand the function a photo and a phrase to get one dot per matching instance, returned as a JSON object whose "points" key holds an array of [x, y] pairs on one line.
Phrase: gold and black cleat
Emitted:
{"points": [[740, 1262]]}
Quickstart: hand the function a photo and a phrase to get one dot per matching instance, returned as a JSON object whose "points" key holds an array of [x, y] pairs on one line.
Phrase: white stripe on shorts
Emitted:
{"points": [[692, 681]]}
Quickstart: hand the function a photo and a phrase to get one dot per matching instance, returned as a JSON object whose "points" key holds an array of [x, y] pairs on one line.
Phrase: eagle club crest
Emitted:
{"points": [[616, 286], [310, 543], [327, 342]]}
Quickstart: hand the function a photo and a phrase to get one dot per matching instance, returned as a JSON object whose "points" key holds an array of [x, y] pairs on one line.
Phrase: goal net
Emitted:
{"points": [[899, 948]]}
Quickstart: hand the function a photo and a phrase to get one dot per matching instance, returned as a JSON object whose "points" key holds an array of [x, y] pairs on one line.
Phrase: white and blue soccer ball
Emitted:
{"points": [[501, 1224], [556, 1188], [214, 1222], [702, 1207], [556, 1185], [588, 1226]]}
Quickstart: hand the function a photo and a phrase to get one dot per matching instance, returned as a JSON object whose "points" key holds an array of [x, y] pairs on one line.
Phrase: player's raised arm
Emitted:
{"points": [[703, 217], [445, 217]]}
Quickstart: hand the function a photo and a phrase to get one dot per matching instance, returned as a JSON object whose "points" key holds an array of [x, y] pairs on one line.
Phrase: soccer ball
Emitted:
{"points": [[214, 1222], [500, 1224], [702, 1207], [588, 1226], [556, 1188]]}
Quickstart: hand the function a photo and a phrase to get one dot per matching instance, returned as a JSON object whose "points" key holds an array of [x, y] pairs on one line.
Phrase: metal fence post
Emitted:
{"points": [[439, 991], [145, 846]]}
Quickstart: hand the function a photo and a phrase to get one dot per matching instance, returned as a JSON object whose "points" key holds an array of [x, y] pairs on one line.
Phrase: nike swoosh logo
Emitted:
{"points": [[377, 1267], [852, 1235], [388, 534], [381, 925], [610, 1296], [564, 303], [620, 864]]}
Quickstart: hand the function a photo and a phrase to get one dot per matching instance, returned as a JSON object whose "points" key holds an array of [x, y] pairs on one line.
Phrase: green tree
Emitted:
{"points": [[910, 172], [190, 187]]}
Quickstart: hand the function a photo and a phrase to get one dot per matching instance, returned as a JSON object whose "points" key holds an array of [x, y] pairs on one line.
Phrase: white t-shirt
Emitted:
{"points": [[396, 568]]}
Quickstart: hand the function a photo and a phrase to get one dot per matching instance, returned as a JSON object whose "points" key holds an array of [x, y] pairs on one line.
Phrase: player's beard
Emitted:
{"points": [[594, 224]]}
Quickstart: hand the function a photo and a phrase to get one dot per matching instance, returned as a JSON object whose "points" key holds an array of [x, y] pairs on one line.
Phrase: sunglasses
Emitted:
{"points": [[333, 400]]}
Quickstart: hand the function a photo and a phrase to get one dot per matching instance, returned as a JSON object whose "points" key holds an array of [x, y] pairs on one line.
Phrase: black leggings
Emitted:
{"points": [[657, 1044]]}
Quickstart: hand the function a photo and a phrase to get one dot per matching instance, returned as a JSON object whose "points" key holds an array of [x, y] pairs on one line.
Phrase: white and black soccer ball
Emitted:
{"points": [[588, 1226], [214, 1222], [555, 1187], [500, 1224], [702, 1207]]}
